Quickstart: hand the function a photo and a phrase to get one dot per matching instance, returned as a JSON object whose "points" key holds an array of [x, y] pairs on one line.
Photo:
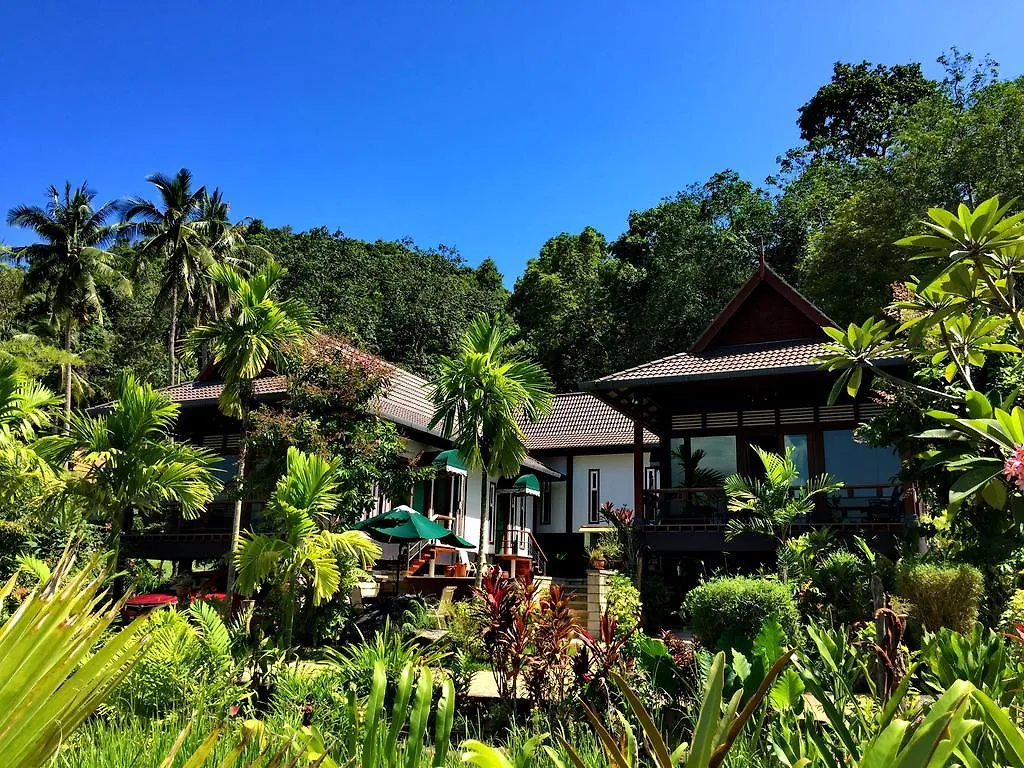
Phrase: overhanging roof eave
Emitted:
{"points": [[599, 385]]}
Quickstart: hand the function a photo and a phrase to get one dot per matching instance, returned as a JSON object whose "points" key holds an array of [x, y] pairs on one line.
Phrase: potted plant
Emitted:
{"points": [[597, 557], [460, 570]]}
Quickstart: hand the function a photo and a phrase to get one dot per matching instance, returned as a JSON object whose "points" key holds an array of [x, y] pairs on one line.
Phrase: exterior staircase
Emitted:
{"points": [[576, 589], [419, 561]]}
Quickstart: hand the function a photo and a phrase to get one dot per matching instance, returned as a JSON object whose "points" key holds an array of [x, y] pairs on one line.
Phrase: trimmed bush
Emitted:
{"points": [[729, 611], [844, 581], [943, 594]]}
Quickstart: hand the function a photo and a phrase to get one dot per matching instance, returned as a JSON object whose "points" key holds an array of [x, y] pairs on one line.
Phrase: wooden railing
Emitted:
{"points": [[540, 560]]}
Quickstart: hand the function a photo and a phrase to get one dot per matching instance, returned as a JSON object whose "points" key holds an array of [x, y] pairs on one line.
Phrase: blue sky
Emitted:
{"points": [[488, 126]]}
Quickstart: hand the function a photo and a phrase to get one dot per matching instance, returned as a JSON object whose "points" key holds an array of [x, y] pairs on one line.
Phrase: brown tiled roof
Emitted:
{"points": [[405, 400], [580, 420], [719, 362]]}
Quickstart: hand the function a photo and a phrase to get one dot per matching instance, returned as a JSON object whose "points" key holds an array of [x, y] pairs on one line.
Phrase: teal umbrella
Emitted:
{"points": [[403, 526]]}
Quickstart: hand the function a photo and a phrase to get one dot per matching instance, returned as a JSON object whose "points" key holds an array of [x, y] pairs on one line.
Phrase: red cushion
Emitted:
{"points": [[153, 598]]}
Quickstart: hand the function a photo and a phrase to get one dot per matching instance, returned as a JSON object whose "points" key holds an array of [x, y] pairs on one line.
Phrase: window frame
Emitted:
{"points": [[593, 496], [544, 514]]}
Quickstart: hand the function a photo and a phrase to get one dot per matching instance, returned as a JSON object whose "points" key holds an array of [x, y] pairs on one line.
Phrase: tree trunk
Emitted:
{"points": [[67, 379], [236, 519], [173, 338], [481, 554], [289, 612]]}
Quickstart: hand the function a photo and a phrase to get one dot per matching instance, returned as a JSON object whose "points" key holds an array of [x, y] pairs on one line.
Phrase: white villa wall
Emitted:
{"points": [[616, 483], [559, 463]]}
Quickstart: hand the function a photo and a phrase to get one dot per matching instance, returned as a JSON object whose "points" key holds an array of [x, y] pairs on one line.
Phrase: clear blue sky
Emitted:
{"points": [[488, 126]]}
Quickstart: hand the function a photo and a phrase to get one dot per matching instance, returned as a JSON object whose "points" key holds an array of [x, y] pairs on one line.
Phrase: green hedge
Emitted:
{"points": [[943, 594], [731, 610]]}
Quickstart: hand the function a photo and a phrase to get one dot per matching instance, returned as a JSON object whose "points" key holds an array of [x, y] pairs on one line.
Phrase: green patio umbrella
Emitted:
{"points": [[404, 526]]}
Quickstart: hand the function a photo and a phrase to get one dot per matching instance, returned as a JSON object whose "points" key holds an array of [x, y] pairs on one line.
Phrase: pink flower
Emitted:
{"points": [[1013, 469]]}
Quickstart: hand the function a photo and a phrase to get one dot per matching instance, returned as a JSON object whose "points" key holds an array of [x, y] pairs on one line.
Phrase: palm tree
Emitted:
{"points": [[70, 263], [126, 461], [188, 231], [300, 554], [257, 331], [26, 409], [479, 396], [769, 505]]}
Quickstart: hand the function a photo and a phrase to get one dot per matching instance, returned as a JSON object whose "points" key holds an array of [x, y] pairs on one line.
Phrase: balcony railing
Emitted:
{"points": [[707, 508]]}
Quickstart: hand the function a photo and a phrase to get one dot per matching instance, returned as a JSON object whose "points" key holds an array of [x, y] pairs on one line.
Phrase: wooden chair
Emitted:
{"points": [[444, 607]]}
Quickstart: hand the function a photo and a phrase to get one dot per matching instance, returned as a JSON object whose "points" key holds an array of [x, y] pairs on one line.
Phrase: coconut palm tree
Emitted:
{"points": [[258, 330], [769, 505], [70, 263], [187, 231], [125, 461], [479, 396], [298, 552]]}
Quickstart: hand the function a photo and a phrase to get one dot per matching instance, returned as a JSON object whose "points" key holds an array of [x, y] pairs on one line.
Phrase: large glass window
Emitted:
{"points": [[799, 445], [856, 463], [719, 454]]}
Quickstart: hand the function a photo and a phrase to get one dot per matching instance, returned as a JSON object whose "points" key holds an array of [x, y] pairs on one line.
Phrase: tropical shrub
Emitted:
{"points": [[1014, 613], [466, 626], [730, 611], [390, 649], [944, 595], [657, 599], [189, 664], [624, 602], [55, 667], [843, 581], [978, 655]]}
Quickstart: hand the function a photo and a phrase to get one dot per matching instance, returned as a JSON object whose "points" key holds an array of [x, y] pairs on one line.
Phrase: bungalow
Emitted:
{"points": [[631, 438]]}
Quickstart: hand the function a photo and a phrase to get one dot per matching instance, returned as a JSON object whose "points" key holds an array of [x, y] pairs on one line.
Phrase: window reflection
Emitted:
{"points": [[799, 445], [719, 455], [856, 463]]}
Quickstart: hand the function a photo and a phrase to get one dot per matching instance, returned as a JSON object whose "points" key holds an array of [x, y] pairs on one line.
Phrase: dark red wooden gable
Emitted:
{"points": [[766, 308]]}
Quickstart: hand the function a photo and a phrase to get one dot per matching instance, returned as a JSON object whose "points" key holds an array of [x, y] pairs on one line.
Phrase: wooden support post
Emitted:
{"points": [[638, 466], [570, 461]]}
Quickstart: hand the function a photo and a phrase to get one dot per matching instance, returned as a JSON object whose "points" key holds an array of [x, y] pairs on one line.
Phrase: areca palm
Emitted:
{"points": [[479, 396], [187, 231], [301, 554], [769, 505], [258, 330], [70, 263], [26, 408], [126, 461]]}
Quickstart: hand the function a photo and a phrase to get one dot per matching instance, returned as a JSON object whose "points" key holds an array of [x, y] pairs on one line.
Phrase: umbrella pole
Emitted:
{"points": [[398, 566]]}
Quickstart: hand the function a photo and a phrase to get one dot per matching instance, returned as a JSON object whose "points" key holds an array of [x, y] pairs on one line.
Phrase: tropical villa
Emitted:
{"points": [[749, 380]]}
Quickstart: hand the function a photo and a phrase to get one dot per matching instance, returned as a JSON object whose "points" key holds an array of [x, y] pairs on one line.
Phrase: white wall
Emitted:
{"points": [[557, 525], [616, 483]]}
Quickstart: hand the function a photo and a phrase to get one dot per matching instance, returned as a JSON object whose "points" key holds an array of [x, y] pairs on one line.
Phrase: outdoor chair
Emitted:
{"points": [[444, 607]]}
